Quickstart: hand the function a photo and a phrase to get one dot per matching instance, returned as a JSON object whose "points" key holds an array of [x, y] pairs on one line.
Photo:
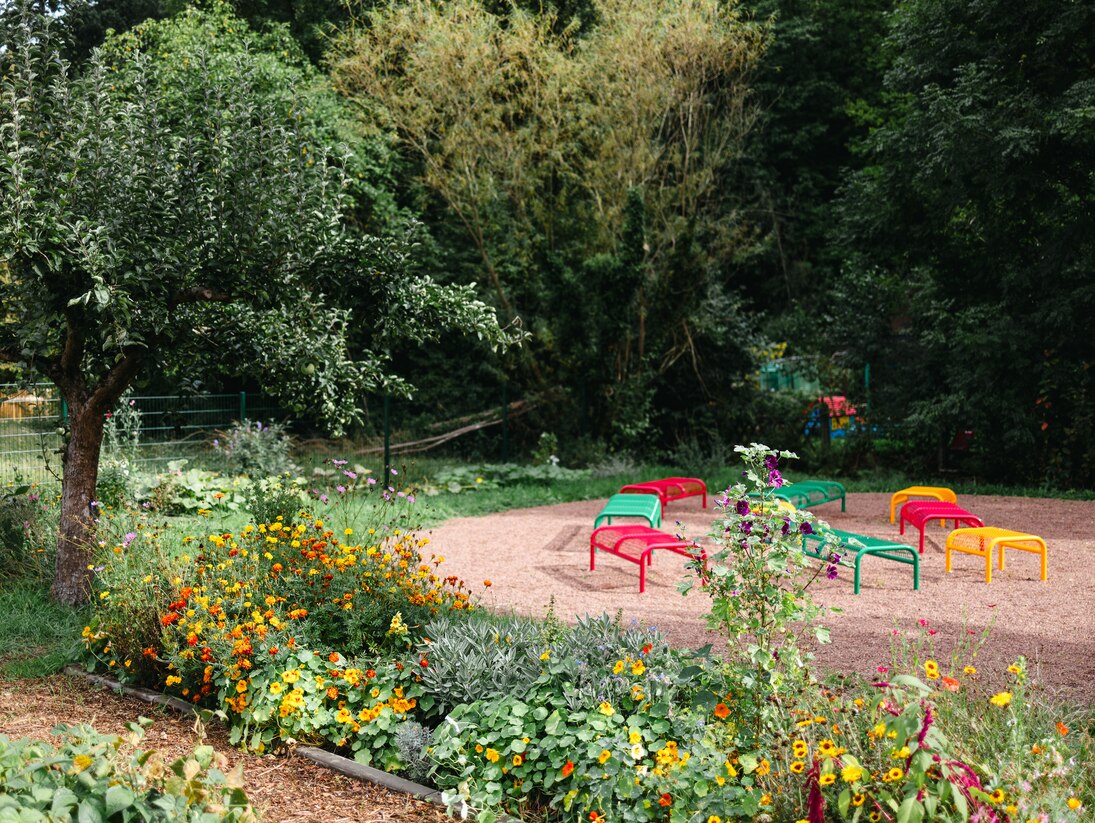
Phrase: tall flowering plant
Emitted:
{"points": [[758, 580]]}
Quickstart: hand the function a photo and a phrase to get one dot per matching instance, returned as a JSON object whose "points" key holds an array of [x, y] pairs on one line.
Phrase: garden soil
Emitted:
{"points": [[534, 556]]}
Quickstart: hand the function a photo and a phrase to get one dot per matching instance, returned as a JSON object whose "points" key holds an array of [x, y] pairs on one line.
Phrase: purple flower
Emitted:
{"points": [[371, 481], [216, 443], [340, 489], [746, 526], [410, 498], [832, 572], [323, 498], [350, 474], [786, 527], [394, 471], [770, 462], [340, 462], [129, 538], [806, 528], [742, 507], [775, 479]]}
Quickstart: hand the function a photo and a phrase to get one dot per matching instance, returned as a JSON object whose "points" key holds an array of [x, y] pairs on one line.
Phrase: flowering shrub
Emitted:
{"points": [[758, 580], [256, 449]]}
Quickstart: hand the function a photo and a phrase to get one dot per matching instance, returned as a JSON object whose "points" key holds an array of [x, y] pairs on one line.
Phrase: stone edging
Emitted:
{"points": [[321, 757]]}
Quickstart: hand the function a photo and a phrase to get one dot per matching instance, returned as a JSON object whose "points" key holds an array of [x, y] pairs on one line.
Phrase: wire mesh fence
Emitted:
{"points": [[32, 420]]}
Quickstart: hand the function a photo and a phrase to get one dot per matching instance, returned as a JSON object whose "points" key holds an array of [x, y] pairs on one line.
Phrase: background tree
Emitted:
{"points": [[580, 165], [173, 206], [973, 224]]}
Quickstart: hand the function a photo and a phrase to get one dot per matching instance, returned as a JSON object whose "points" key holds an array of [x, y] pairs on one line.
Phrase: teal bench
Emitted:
{"points": [[813, 545], [632, 505], [807, 493]]}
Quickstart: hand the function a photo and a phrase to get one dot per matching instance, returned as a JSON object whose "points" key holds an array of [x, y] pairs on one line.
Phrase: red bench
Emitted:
{"points": [[636, 544], [920, 512], [669, 488]]}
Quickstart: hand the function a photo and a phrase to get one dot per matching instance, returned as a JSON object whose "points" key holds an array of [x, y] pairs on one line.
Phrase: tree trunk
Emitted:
{"points": [[75, 541]]}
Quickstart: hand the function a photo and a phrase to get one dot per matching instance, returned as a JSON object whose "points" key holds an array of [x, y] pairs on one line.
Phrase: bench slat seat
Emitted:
{"points": [[636, 544], [669, 488], [632, 505], [919, 513]]}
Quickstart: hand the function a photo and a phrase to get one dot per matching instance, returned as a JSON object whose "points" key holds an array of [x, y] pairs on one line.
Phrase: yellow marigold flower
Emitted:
{"points": [[602, 758], [969, 670], [827, 779], [1002, 699], [851, 774], [892, 775], [492, 755], [80, 762], [799, 749], [1014, 669], [900, 754], [878, 730], [931, 669]]}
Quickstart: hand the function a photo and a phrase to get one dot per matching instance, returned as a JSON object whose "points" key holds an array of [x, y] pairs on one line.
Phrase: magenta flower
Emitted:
{"points": [[775, 479]]}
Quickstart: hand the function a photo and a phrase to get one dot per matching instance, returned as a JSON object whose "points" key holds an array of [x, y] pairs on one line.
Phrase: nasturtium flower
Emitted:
{"points": [[602, 758], [764, 768], [665, 800], [518, 759], [618, 668], [1062, 729], [606, 709], [567, 769], [638, 667], [492, 755], [722, 711], [1002, 699], [634, 736]]}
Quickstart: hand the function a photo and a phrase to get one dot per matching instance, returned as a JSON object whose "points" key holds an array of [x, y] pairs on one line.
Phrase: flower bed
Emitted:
{"points": [[349, 637]]}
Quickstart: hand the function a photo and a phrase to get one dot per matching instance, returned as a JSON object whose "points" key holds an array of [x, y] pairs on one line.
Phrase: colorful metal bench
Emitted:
{"points": [[871, 547], [669, 488], [940, 493], [632, 505], [636, 544], [807, 493], [981, 542], [919, 512]]}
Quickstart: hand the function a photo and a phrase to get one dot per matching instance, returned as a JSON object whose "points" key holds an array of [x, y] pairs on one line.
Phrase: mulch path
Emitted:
{"points": [[285, 789]]}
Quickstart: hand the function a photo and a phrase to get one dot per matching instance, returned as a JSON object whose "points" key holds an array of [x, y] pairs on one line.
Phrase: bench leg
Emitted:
{"points": [[592, 555], [644, 561], [922, 538], [988, 560], [843, 503], [916, 572], [858, 560]]}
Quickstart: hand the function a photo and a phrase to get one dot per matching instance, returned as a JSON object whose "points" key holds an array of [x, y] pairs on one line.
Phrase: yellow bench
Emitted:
{"points": [[981, 541], [939, 493]]}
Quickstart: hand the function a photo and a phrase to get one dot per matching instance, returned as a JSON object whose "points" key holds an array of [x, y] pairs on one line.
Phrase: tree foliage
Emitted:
{"points": [[974, 222], [582, 167]]}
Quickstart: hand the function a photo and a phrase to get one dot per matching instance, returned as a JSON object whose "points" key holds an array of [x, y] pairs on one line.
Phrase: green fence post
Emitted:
{"points": [[243, 406], [387, 438], [64, 410]]}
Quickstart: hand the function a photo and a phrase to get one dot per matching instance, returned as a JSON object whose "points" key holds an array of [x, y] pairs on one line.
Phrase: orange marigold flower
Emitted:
{"points": [[1062, 729], [722, 711], [487, 584]]}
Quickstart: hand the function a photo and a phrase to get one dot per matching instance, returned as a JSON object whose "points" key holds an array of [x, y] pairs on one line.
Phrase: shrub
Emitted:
{"points": [[90, 776], [256, 449], [27, 533]]}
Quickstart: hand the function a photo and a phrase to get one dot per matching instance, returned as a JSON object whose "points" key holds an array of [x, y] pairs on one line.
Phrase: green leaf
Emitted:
{"points": [[911, 811], [118, 798]]}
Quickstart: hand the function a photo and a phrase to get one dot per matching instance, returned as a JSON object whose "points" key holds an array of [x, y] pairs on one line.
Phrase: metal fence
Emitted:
{"points": [[171, 426]]}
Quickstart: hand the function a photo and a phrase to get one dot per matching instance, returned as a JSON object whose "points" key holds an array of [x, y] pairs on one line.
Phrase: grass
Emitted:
{"points": [[39, 636]]}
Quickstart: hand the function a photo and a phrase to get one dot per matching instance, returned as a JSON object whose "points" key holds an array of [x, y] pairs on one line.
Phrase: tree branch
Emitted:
{"points": [[110, 388], [200, 294]]}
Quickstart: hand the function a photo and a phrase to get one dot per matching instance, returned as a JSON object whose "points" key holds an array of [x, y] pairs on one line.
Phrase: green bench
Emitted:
{"points": [[813, 545], [807, 493], [632, 505]]}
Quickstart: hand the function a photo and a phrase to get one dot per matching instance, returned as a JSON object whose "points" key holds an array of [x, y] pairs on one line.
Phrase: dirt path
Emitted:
{"points": [[531, 555]]}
